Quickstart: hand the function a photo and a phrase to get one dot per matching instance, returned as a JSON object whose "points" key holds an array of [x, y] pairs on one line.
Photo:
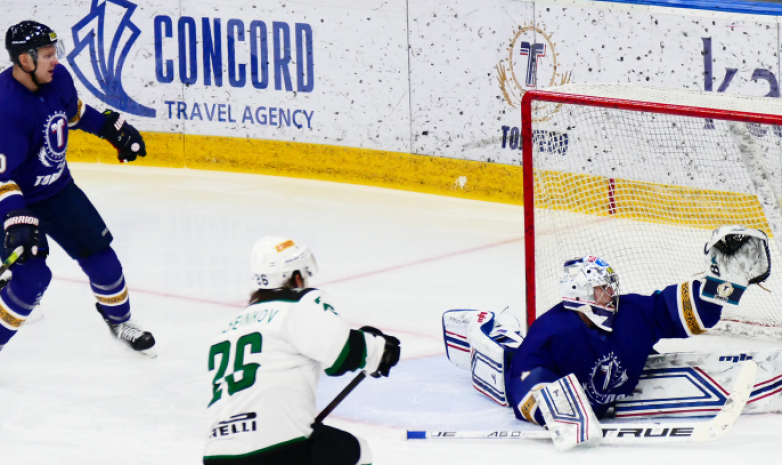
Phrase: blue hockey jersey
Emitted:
{"points": [[34, 137], [607, 364]]}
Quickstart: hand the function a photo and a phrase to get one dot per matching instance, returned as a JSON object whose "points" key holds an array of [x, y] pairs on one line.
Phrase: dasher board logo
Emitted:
{"points": [[102, 41], [518, 72]]}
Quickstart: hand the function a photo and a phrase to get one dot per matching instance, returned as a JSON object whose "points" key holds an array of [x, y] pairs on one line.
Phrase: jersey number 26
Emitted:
{"points": [[254, 341]]}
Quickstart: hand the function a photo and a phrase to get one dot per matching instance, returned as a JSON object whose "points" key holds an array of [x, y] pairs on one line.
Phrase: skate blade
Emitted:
{"points": [[35, 317]]}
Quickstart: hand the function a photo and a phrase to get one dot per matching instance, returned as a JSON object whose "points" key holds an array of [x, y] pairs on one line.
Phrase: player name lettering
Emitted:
{"points": [[648, 432]]}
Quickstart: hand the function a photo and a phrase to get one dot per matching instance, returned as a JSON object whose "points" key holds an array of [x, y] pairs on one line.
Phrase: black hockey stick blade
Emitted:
{"points": [[340, 397]]}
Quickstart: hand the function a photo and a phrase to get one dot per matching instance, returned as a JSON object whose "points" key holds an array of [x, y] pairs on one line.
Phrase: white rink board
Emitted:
{"points": [[345, 76], [355, 96]]}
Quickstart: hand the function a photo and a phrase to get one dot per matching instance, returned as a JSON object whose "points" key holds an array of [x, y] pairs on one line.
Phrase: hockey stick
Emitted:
{"points": [[645, 433], [10, 261], [341, 396]]}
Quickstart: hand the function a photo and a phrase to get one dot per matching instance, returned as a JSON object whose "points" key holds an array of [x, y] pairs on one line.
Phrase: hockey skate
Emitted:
{"points": [[131, 334]]}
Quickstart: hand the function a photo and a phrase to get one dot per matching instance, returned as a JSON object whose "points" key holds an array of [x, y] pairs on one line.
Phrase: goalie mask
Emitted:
{"points": [[590, 286], [275, 259]]}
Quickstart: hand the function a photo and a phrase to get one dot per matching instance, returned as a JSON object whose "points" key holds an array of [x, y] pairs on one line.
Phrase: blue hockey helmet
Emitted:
{"points": [[28, 37], [590, 286]]}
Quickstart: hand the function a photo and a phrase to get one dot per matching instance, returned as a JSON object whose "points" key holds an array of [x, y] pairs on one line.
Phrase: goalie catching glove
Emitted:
{"points": [[735, 258]]}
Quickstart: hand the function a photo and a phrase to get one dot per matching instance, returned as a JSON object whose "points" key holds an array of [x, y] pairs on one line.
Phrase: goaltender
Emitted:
{"points": [[591, 348]]}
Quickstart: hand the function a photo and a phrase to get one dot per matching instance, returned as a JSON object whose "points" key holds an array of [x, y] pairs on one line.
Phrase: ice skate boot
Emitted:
{"points": [[130, 334]]}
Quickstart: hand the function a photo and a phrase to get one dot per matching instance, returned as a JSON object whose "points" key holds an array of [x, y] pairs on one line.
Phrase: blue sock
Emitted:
{"points": [[108, 284], [21, 295]]}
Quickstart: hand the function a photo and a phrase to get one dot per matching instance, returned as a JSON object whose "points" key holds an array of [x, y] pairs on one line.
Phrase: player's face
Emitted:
{"points": [[604, 295], [47, 60]]}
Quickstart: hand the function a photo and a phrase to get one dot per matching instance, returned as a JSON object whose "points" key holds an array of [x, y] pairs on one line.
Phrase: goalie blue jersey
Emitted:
{"points": [[607, 365], [34, 137]]}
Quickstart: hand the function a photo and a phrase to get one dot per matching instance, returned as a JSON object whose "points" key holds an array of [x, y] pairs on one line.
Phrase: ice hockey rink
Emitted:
{"points": [[391, 259]]}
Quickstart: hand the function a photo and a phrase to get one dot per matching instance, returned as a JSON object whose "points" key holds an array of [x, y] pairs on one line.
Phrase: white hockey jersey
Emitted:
{"points": [[265, 367]]}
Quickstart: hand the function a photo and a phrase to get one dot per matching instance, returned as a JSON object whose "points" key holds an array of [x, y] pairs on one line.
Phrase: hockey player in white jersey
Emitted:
{"points": [[266, 363]]}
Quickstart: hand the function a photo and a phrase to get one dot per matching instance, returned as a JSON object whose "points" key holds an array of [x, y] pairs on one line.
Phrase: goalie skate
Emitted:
{"points": [[131, 334]]}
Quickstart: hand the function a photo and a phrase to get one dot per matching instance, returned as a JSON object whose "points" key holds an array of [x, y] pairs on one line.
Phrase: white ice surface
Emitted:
{"points": [[391, 259]]}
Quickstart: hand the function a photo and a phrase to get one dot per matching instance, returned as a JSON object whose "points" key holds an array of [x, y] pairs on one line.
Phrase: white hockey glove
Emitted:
{"points": [[735, 258], [568, 415]]}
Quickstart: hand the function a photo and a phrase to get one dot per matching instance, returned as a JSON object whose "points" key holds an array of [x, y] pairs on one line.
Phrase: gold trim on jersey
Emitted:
{"points": [[688, 311], [116, 299], [9, 188], [77, 117]]}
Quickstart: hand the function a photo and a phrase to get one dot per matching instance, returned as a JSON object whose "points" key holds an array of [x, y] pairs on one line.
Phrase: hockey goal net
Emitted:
{"points": [[640, 177]]}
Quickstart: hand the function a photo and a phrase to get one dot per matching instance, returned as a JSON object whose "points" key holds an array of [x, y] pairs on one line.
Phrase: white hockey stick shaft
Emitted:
{"points": [[645, 433]]}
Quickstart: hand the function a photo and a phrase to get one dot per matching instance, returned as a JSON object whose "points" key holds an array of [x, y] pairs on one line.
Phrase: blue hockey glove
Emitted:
{"points": [[391, 351], [124, 137], [22, 228]]}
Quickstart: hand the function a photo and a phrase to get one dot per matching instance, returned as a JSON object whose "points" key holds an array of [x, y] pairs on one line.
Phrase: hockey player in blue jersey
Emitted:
{"points": [[38, 197], [596, 341]]}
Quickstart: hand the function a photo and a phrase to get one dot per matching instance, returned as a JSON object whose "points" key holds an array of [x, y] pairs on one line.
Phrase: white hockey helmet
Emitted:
{"points": [[275, 259], [579, 280]]}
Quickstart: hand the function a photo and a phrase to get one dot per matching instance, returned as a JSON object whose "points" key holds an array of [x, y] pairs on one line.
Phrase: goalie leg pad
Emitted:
{"points": [[487, 360], [503, 328], [568, 415], [457, 348]]}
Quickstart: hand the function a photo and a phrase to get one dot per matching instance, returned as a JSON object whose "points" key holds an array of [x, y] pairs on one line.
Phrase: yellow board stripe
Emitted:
{"points": [[688, 311], [115, 299], [657, 203], [394, 170]]}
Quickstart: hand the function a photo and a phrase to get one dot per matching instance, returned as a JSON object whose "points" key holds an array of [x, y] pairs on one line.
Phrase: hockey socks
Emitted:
{"points": [[21, 296], [108, 284]]}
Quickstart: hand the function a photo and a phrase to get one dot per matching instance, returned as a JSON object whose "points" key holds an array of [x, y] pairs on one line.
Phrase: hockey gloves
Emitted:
{"points": [[735, 258], [22, 228], [390, 354], [124, 137]]}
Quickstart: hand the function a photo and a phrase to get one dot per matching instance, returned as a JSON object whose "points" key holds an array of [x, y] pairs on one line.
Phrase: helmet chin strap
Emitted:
{"points": [[33, 54]]}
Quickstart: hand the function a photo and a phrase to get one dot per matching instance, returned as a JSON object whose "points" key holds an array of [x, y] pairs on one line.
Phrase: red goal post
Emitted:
{"points": [[648, 164]]}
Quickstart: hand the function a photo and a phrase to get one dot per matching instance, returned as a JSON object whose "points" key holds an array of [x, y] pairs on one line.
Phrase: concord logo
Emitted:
{"points": [[102, 49]]}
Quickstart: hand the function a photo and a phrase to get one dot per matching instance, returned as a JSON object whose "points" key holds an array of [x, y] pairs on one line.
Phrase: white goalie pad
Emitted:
{"points": [[506, 330], [698, 384], [476, 341], [568, 415], [457, 348], [487, 359]]}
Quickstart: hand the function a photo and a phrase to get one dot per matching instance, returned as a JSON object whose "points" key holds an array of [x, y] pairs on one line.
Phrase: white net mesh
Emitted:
{"points": [[644, 190]]}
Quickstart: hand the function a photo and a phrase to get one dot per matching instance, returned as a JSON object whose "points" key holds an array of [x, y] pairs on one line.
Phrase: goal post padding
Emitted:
{"points": [[640, 176]]}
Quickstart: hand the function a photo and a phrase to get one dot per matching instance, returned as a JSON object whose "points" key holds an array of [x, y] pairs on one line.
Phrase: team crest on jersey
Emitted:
{"points": [[55, 140], [606, 375]]}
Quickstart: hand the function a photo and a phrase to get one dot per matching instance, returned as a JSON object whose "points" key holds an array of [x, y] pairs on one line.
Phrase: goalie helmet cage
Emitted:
{"points": [[640, 177]]}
